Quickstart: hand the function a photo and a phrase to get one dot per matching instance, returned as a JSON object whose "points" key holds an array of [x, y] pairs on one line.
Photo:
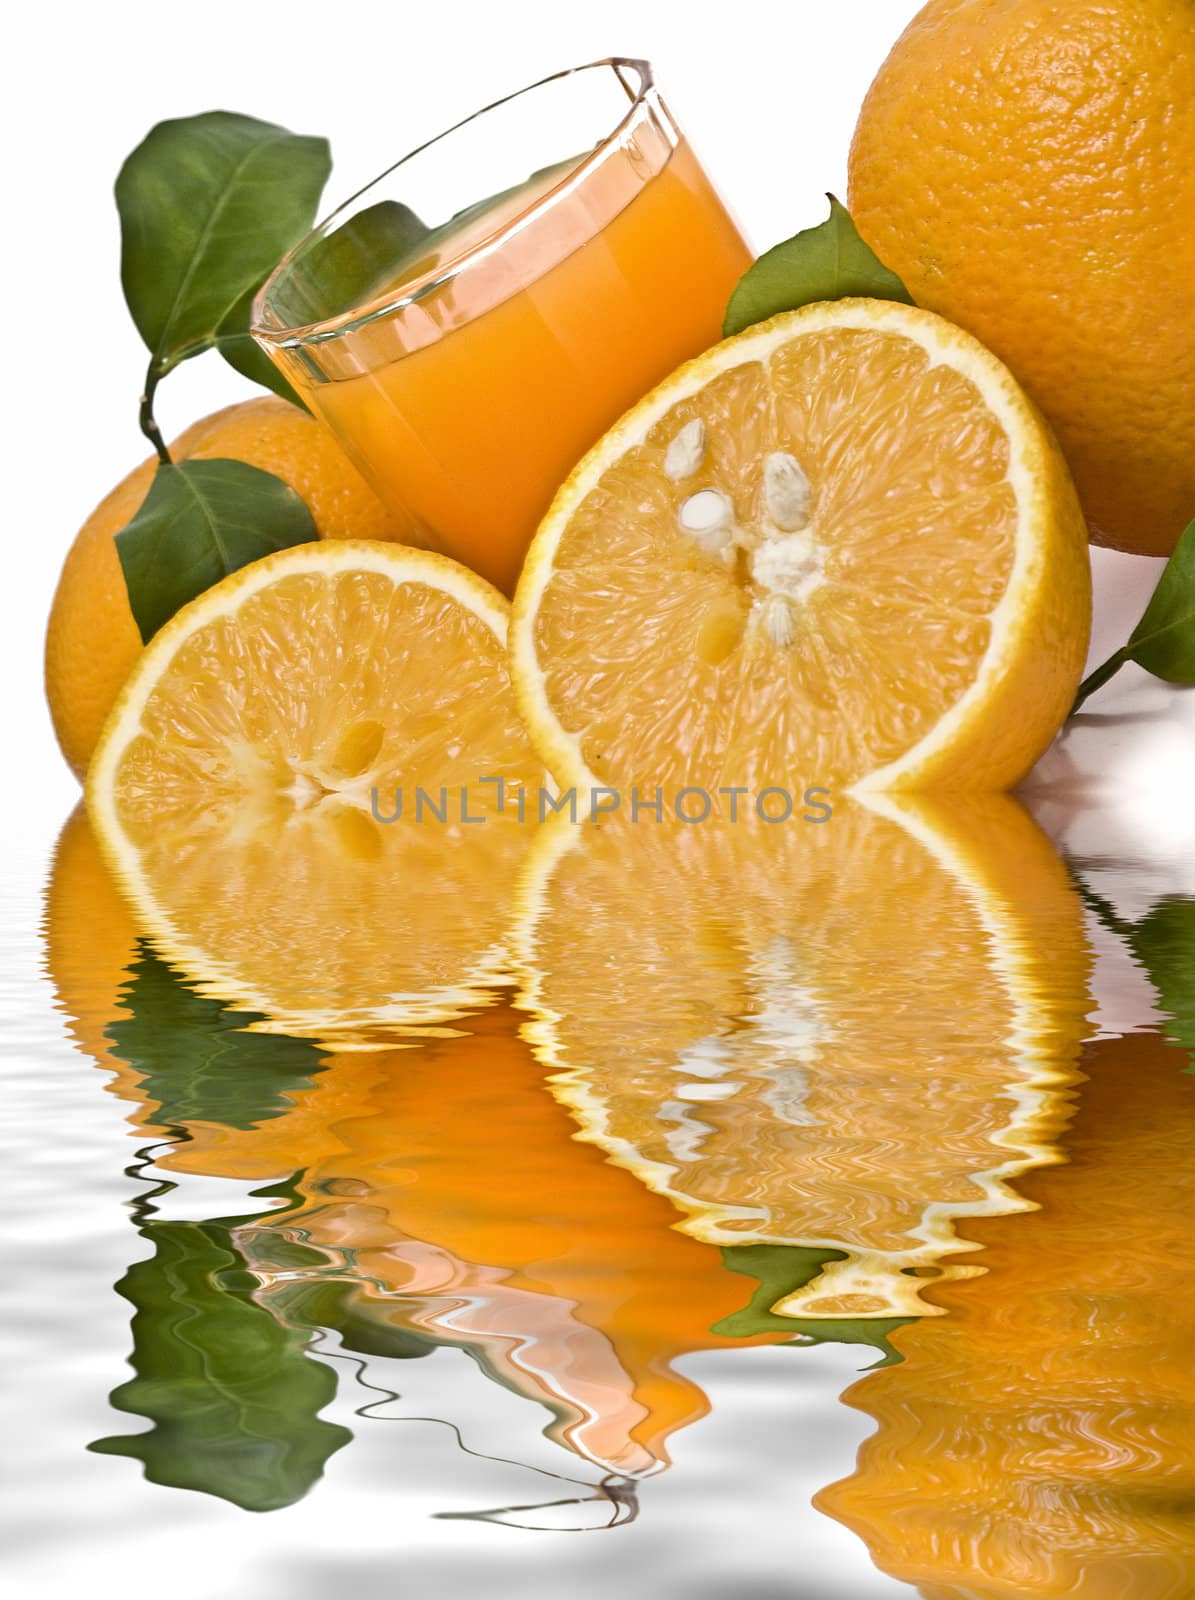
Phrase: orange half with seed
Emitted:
{"points": [[841, 546]]}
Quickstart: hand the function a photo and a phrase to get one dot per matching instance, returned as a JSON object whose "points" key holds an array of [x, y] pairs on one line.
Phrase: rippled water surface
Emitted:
{"points": [[798, 1211]]}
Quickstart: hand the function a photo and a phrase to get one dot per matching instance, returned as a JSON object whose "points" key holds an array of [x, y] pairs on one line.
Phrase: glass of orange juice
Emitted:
{"points": [[470, 323]]}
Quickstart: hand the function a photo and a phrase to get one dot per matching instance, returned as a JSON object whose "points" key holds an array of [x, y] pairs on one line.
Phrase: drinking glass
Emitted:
{"points": [[472, 321]]}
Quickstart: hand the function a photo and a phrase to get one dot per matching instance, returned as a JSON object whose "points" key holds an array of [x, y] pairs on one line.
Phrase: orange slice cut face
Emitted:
{"points": [[841, 546], [290, 790]]}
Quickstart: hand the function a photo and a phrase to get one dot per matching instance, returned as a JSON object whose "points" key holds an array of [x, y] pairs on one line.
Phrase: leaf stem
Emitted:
{"points": [[1098, 678], [149, 426]]}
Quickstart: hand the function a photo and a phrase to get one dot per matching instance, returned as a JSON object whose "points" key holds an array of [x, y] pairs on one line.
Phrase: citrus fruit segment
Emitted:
{"points": [[289, 789], [846, 1036], [840, 545]]}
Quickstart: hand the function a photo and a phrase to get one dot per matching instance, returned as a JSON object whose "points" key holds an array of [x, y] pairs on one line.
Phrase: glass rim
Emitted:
{"points": [[417, 288]]}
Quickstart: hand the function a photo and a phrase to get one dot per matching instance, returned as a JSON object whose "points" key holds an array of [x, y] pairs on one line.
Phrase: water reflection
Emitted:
{"points": [[232, 1395], [1039, 1439], [734, 1089], [179, 1056], [446, 1185], [846, 1036], [320, 919]]}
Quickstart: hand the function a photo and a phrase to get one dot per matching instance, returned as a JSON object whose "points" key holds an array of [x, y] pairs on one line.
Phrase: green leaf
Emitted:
{"points": [[541, 180], [1163, 941], [208, 205], [200, 521], [243, 353], [351, 265], [377, 247], [829, 262], [233, 1397], [783, 1269], [1163, 642], [194, 1057]]}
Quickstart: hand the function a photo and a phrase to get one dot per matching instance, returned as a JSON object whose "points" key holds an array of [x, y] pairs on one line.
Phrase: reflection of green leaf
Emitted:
{"points": [[1164, 943], [829, 262], [337, 1304], [208, 204], [233, 1396], [781, 1270], [196, 1060], [200, 521]]}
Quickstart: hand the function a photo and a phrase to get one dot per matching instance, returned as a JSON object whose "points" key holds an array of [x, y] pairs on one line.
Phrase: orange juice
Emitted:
{"points": [[467, 406]]}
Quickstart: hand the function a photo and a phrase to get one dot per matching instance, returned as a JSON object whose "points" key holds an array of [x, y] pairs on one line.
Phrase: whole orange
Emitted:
{"points": [[92, 640], [1028, 168]]}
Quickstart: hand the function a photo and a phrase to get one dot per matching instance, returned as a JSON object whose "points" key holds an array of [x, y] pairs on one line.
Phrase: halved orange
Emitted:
{"points": [[290, 790], [847, 1035], [841, 548]]}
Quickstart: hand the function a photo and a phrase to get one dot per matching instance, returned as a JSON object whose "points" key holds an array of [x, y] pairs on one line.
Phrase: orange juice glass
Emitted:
{"points": [[470, 323]]}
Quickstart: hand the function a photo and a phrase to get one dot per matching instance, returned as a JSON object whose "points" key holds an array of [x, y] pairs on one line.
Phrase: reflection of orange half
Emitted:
{"points": [[450, 1182], [848, 1034], [340, 929], [1039, 1440]]}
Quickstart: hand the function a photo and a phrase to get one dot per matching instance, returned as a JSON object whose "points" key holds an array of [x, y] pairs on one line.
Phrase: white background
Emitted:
{"points": [[768, 92]]}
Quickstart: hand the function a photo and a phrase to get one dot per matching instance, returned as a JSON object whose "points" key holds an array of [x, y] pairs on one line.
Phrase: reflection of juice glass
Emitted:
{"points": [[467, 351]]}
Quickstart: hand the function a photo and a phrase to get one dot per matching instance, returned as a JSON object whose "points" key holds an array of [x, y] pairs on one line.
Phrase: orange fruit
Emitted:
{"points": [[1039, 1438], [92, 640], [257, 790], [446, 1183], [840, 547], [763, 1025], [1028, 168]]}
